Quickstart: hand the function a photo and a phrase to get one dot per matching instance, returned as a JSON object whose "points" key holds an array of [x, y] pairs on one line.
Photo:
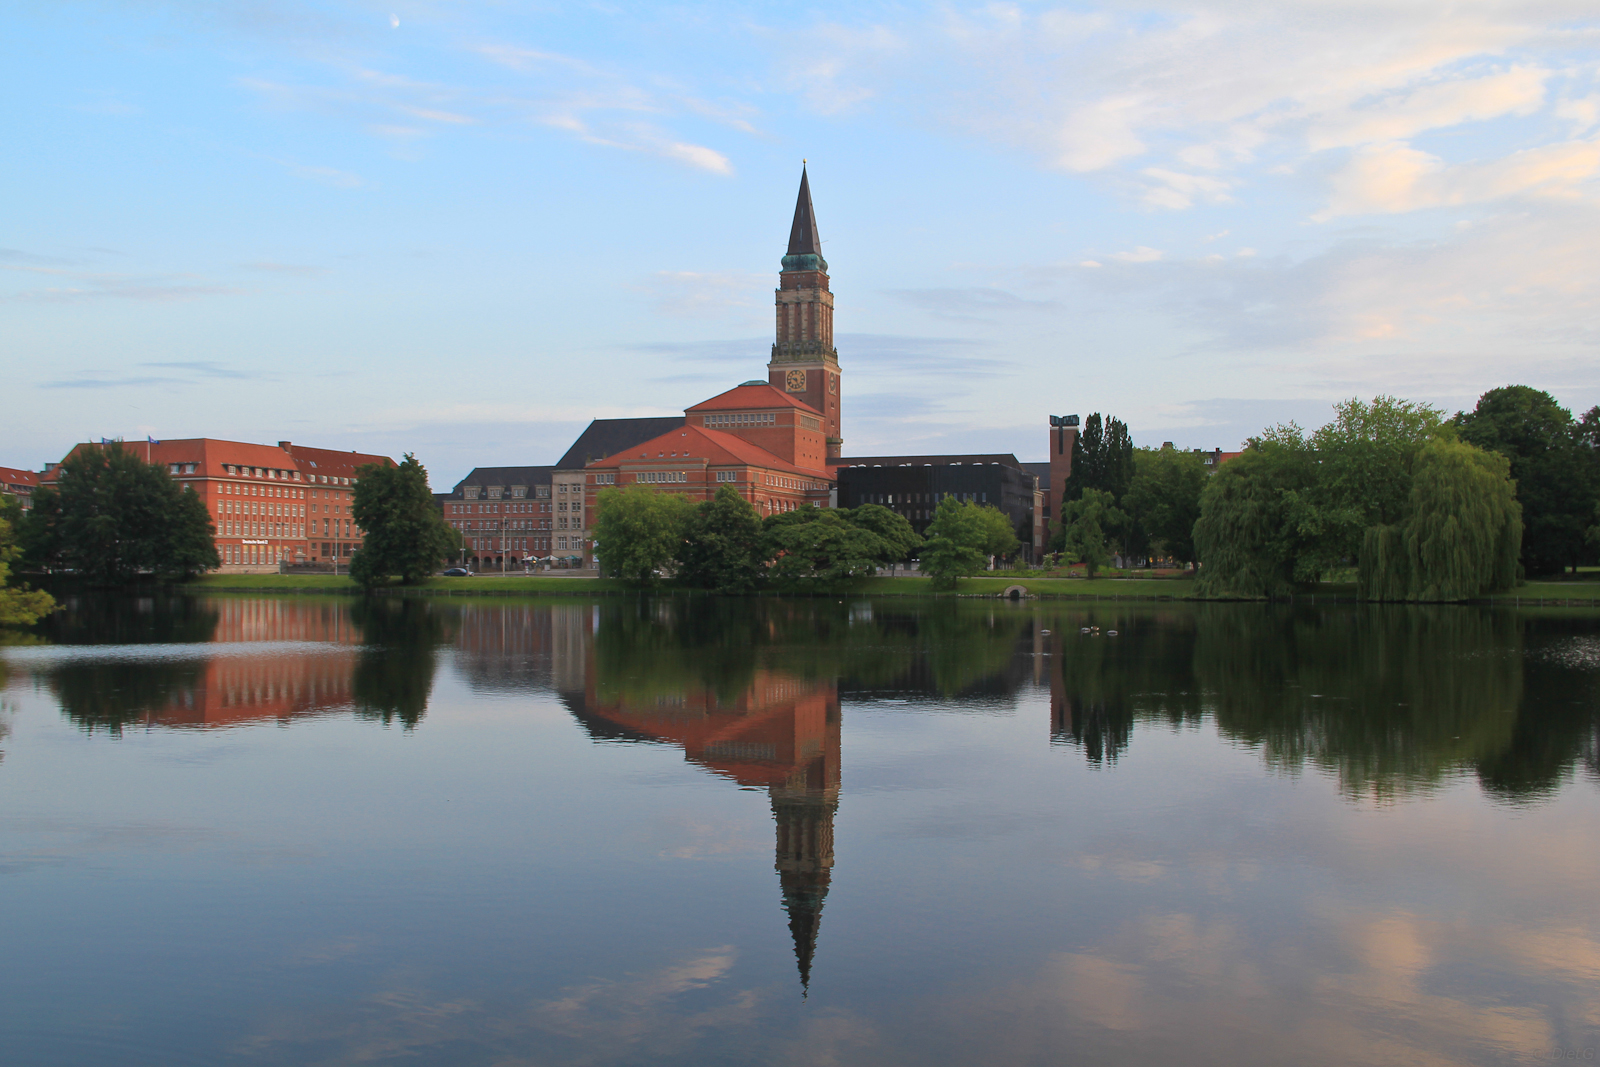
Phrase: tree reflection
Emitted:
{"points": [[118, 620], [112, 695], [393, 675]]}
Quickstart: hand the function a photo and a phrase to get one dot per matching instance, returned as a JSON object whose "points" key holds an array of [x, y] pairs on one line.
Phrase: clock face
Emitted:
{"points": [[796, 381]]}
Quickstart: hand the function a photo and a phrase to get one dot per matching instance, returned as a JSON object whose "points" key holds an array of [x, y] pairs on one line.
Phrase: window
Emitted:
{"points": [[662, 476], [561, 488], [543, 491], [727, 476], [743, 418], [605, 479], [518, 492]]}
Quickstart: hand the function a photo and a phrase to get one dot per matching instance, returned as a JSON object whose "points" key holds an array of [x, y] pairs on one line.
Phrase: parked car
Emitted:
{"points": [[458, 572]]}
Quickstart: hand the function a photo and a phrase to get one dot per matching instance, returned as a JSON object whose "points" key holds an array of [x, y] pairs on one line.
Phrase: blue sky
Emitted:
{"points": [[465, 229]]}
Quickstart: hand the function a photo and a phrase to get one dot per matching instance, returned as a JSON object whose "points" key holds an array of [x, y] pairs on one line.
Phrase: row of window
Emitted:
{"points": [[496, 509], [662, 476], [743, 418]]}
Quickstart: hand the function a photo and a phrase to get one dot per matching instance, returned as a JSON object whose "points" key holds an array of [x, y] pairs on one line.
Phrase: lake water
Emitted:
{"points": [[657, 831]]}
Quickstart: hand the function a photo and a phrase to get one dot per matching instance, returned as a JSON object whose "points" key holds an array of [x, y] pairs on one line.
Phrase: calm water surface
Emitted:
{"points": [[312, 831]]}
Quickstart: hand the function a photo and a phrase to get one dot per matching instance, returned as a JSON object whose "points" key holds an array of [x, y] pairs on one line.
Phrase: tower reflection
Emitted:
{"points": [[775, 731]]}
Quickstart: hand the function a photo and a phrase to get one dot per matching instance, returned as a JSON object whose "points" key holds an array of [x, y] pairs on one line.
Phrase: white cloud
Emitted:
{"points": [[1396, 178], [1142, 254], [1518, 91]]}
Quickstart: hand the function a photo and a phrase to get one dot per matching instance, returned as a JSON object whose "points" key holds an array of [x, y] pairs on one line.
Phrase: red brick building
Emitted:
{"points": [[775, 441], [805, 364], [270, 504], [19, 484], [759, 439]]}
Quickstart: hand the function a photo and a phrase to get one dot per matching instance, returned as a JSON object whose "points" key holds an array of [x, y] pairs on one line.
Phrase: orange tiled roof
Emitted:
{"points": [[717, 448], [13, 476], [752, 398]]}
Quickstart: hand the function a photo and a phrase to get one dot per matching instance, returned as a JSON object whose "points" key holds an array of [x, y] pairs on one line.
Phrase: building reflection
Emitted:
{"points": [[774, 731], [248, 662]]}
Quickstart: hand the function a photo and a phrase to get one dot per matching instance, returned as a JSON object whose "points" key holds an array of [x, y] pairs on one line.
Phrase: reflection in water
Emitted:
{"points": [[233, 662], [659, 673], [1191, 918]]}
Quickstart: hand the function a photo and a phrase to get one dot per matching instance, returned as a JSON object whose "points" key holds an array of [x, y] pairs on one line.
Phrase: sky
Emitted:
{"points": [[463, 230]]}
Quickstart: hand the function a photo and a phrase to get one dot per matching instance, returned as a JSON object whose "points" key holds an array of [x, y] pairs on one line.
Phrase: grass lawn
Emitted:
{"points": [[1109, 588], [1124, 588]]}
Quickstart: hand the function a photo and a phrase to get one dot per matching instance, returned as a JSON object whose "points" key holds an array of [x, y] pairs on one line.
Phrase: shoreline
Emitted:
{"points": [[1153, 590]]}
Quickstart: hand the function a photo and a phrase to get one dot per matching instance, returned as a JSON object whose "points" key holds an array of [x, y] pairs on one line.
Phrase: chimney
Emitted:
{"points": [[284, 445]]}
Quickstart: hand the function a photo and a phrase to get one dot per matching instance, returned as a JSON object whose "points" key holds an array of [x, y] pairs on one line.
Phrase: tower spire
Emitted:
{"points": [[803, 239], [804, 361]]}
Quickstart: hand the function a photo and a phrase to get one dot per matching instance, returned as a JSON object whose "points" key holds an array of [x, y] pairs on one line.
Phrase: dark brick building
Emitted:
{"points": [[913, 486]]}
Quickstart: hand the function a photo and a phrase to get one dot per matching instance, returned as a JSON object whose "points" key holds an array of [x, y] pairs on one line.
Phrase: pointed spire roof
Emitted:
{"points": [[803, 237]]}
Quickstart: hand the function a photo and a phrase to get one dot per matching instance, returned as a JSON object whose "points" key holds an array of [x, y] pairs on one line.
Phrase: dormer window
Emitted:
{"points": [[494, 492], [518, 492], [470, 492]]}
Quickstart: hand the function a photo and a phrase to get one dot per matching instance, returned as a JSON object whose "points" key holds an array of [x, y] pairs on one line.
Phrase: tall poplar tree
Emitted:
{"points": [[1102, 458]]}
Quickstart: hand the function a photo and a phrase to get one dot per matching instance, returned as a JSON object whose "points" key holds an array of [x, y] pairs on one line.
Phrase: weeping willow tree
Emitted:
{"points": [[1461, 536]]}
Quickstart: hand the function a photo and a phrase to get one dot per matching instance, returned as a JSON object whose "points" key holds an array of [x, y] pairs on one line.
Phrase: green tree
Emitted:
{"points": [[1255, 532], [1363, 475], [638, 530], [405, 534], [114, 517], [1554, 464], [814, 548], [899, 539], [1461, 535], [1163, 501], [956, 542], [1084, 525], [1102, 458], [722, 547], [19, 606]]}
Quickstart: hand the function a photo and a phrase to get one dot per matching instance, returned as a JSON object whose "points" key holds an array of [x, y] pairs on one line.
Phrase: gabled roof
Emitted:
{"points": [[330, 461], [605, 437], [803, 237], [747, 397], [716, 448], [13, 476]]}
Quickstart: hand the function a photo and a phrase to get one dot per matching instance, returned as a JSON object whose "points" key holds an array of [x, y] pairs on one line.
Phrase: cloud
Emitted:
{"points": [[204, 368], [1391, 178], [330, 176], [269, 267], [1141, 254], [1400, 116], [702, 294], [976, 302]]}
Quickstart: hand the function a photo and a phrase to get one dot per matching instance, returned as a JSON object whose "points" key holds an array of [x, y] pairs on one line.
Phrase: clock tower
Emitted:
{"points": [[804, 362]]}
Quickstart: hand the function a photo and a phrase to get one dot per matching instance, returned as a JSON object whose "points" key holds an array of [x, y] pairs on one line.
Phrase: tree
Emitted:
{"points": [[1254, 525], [1084, 523], [814, 548], [19, 606], [114, 517], [1461, 535], [405, 534], [638, 530], [999, 535], [1554, 464], [956, 542], [898, 538], [1163, 501], [722, 545], [1102, 458]]}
